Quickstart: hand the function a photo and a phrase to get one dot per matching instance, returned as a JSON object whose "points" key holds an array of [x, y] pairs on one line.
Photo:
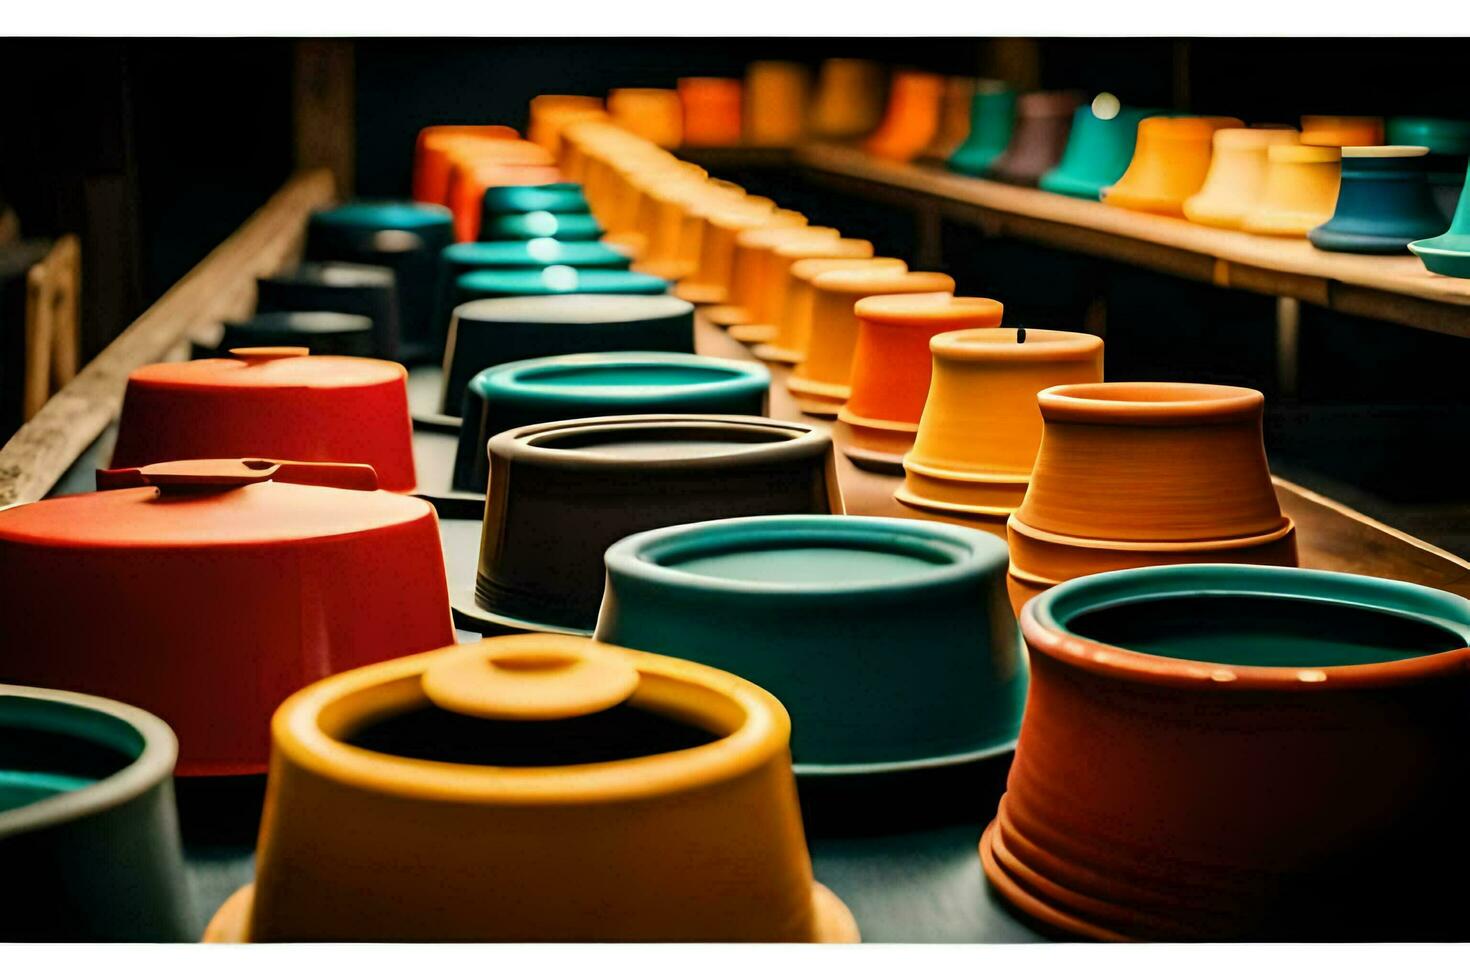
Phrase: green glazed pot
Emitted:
{"points": [[1098, 152], [88, 827], [890, 642], [556, 198], [1449, 153], [1384, 202], [992, 117], [1449, 254], [572, 386], [540, 224], [555, 280]]}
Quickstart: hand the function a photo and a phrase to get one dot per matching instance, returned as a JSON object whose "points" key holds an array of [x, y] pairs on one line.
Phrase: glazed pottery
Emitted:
{"points": [[431, 157], [1099, 149], [540, 224], [769, 310], [1237, 176], [1340, 131], [711, 282], [1226, 752], [561, 493], [751, 278], [992, 120], [776, 98], [693, 225], [912, 118], [1449, 254], [228, 585], [1300, 192], [558, 199], [794, 327], [813, 609], [550, 389], [954, 118], [1170, 163], [270, 401], [711, 111], [1449, 153], [663, 224], [981, 427], [471, 179], [652, 113], [320, 332], [555, 280], [849, 98], [1038, 137], [87, 821], [822, 381], [1385, 202], [497, 331], [533, 788], [1146, 473], [891, 368], [550, 114], [337, 287]]}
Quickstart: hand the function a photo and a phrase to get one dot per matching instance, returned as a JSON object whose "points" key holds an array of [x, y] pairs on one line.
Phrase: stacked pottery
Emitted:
{"points": [[1340, 131], [1169, 164], [473, 175], [849, 98], [891, 368], [767, 314], [1146, 473], [793, 332], [776, 97], [550, 114], [694, 224], [1099, 149], [954, 119], [338, 287], [992, 119], [911, 119], [711, 111], [752, 282], [1385, 202], [533, 788], [1449, 254], [1449, 153], [651, 113], [981, 426], [1043, 123], [1225, 752], [1300, 191], [710, 282], [431, 157], [1237, 176]]}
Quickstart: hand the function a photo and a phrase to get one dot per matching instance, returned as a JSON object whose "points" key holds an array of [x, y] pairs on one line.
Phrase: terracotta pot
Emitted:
{"points": [[751, 281], [981, 426], [1170, 163], [665, 254], [271, 401], [693, 225], [288, 582], [712, 281], [776, 98], [471, 176], [431, 157], [822, 382], [561, 493], [813, 608], [1340, 131], [712, 114], [1211, 752], [849, 99], [954, 118], [1237, 176], [652, 113], [497, 331], [992, 120], [1449, 254], [1146, 473], [321, 332], [769, 312], [532, 788], [1039, 137], [1099, 148], [550, 114], [1300, 192], [789, 346], [912, 118], [1385, 202], [337, 287], [1449, 153], [632, 213], [891, 368]]}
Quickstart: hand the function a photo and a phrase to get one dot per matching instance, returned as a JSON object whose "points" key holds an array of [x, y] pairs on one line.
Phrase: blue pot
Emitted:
{"points": [[1384, 203]]}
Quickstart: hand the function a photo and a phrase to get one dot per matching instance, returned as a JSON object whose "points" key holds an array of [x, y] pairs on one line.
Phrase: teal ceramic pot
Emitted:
{"points": [[555, 280], [1449, 153], [555, 198], [1384, 202], [88, 829], [549, 389], [488, 332], [401, 236], [1098, 152], [890, 642], [992, 117], [320, 332], [1449, 254], [540, 224], [337, 287]]}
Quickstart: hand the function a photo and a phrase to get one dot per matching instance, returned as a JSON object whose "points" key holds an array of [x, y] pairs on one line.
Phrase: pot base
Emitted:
{"points": [[1031, 905], [1441, 260], [874, 444], [753, 333], [701, 293], [469, 615], [817, 398], [780, 355], [725, 315], [1331, 240]]}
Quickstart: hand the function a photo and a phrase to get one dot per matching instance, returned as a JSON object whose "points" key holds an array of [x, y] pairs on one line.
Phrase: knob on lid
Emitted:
{"points": [[531, 678]]}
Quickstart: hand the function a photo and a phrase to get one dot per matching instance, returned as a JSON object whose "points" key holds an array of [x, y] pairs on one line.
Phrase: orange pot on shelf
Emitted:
{"points": [[1300, 192], [694, 223], [652, 113], [776, 98], [713, 281], [849, 99], [1170, 162], [673, 242], [911, 119], [954, 118], [1146, 473], [1340, 131], [712, 111], [891, 368], [794, 334], [1237, 176], [550, 113], [981, 426], [770, 311], [431, 156], [821, 383], [749, 279]]}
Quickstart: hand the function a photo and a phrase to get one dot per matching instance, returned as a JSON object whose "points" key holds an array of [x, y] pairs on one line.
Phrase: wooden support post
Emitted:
{"points": [[324, 110], [1288, 339]]}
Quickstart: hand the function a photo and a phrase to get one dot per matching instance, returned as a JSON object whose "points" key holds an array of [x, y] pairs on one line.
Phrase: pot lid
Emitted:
{"points": [[557, 279], [271, 367]]}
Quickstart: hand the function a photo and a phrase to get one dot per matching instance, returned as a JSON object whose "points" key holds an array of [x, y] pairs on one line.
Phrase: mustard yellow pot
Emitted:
{"points": [[1300, 191], [1237, 176]]}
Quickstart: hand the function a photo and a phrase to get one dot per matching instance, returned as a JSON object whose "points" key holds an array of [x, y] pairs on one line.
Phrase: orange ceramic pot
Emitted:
{"points": [[849, 99], [549, 114], [821, 383], [669, 253], [1300, 192], [1340, 131], [954, 118], [912, 118], [275, 402], [532, 788], [1237, 176], [431, 156], [795, 328], [1146, 473], [713, 281], [1170, 162], [470, 177], [633, 210], [981, 426], [712, 112], [652, 113], [751, 282], [770, 310], [694, 222], [776, 98], [891, 369]]}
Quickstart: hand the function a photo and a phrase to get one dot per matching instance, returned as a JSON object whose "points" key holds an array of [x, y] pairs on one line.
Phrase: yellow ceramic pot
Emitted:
{"points": [[694, 222], [776, 98], [1340, 131], [789, 346], [665, 254], [770, 312], [1300, 191], [711, 281], [1170, 161], [849, 99], [652, 113], [1237, 176], [750, 278], [532, 788], [912, 117], [954, 118], [551, 113]]}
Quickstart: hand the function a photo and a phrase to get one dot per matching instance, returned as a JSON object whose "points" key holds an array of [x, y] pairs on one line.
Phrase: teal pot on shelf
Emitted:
{"points": [[555, 280], [89, 837], [540, 224], [890, 642], [992, 117], [488, 332], [1384, 202], [337, 287], [1099, 149], [1449, 153], [1449, 254], [550, 389]]}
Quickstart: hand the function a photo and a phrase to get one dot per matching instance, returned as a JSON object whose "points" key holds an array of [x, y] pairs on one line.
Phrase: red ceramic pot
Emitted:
{"points": [[275, 402], [431, 156], [206, 591]]}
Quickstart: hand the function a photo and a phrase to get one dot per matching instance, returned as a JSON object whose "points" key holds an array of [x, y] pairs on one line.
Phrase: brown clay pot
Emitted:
{"points": [[1043, 123]]}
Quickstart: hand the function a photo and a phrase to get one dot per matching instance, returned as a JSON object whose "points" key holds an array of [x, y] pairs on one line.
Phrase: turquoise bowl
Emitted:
{"points": [[1449, 254], [1098, 152], [992, 117], [1385, 202], [1449, 153], [556, 198], [890, 642], [555, 280], [527, 225], [574, 386]]}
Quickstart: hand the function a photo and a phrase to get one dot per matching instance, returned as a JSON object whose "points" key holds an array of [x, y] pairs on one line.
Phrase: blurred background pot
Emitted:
{"points": [[1099, 149], [1042, 124], [751, 281], [551, 113], [711, 281], [1340, 131], [1300, 192], [1449, 254], [652, 113], [767, 328], [711, 111], [555, 280], [992, 119], [794, 329], [1169, 164], [1224, 752], [321, 332], [574, 227], [776, 97], [431, 157], [1385, 202], [954, 118], [1449, 153], [911, 119], [1237, 176], [533, 788], [813, 608], [849, 98], [87, 821], [339, 287]]}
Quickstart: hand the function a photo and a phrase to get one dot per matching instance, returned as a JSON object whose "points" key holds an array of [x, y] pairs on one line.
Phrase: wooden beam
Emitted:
{"points": [[324, 110]]}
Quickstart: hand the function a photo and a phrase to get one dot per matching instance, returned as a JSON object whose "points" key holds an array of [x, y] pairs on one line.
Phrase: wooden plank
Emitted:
{"points": [[222, 285], [324, 109]]}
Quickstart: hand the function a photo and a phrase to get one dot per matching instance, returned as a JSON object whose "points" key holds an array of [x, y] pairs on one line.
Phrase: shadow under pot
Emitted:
{"points": [[550, 389], [87, 821], [321, 332], [1134, 473], [1230, 752], [1383, 203], [489, 332], [561, 493], [215, 588], [1039, 138], [814, 608], [532, 789], [337, 287]]}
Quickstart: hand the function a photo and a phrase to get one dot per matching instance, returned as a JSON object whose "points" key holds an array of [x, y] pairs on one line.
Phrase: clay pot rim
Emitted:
{"points": [[1395, 151], [153, 764], [808, 270], [864, 283], [522, 311], [837, 248], [1108, 403], [1303, 153], [990, 344], [1042, 626], [523, 378], [908, 309], [1250, 138]]}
